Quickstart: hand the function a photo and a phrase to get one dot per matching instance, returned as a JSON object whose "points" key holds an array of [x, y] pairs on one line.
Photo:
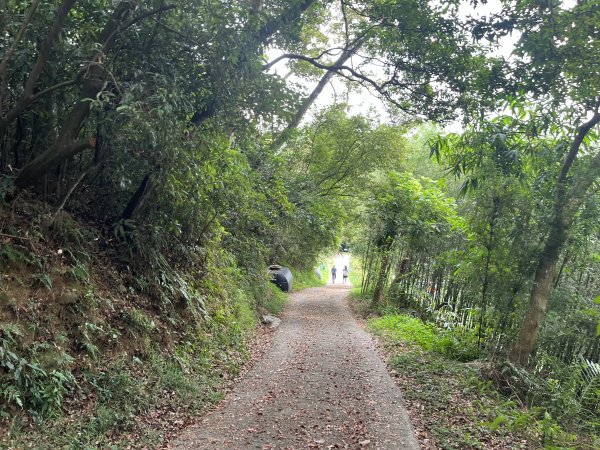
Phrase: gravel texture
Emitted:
{"points": [[321, 385]]}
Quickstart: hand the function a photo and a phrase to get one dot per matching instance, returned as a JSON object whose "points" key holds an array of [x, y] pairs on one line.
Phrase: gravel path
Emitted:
{"points": [[321, 386]]}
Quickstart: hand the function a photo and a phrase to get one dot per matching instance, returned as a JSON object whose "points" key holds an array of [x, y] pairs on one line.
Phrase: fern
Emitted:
{"points": [[590, 394]]}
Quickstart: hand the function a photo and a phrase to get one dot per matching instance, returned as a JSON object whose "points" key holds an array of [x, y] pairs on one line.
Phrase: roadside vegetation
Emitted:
{"points": [[450, 271], [308, 277], [454, 404]]}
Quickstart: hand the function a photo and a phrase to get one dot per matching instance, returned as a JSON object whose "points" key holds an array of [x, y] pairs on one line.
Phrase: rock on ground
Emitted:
{"points": [[321, 385], [270, 321]]}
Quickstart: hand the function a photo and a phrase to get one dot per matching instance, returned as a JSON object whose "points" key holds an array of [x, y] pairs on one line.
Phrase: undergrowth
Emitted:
{"points": [[307, 278], [453, 404], [98, 350], [458, 344], [459, 410], [128, 401], [274, 300]]}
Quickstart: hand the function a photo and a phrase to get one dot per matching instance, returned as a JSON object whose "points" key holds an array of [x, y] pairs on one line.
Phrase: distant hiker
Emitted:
{"points": [[333, 274], [345, 274]]}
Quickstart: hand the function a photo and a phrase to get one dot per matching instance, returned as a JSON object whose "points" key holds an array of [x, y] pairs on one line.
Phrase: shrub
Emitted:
{"points": [[36, 378], [456, 344], [273, 299]]}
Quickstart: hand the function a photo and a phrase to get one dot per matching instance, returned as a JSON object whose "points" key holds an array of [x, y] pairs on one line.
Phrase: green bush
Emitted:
{"points": [[307, 278], [35, 378], [274, 300], [460, 345]]}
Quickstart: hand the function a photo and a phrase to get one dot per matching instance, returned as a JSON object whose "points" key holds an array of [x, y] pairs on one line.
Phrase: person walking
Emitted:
{"points": [[345, 274], [333, 274]]}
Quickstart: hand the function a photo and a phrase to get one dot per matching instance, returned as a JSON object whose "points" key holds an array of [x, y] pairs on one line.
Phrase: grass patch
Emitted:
{"points": [[460, 345], [307, 278], [360, 302], [274, 300]]}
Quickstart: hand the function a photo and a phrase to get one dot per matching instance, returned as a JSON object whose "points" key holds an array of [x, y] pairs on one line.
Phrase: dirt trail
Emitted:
{"points": [[321, 386]]}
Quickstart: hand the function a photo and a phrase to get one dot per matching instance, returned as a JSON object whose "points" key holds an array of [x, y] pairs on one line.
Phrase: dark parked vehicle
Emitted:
{"points": [[281, 276]]}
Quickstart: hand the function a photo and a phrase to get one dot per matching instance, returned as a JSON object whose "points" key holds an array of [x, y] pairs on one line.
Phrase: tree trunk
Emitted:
{"points": [[364, 267], [136, 201], [66, 144], [566, 205], [489, 247], [37, 168], [540, 294], [383, 272]]}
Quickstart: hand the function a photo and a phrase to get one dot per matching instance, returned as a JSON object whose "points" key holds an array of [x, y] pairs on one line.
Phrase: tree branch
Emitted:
{"points": [[18, 37], [582, 132], [346, 54], [50, 158], [39, 65], [133, 21], [328, 52], [346, 27], [52, 88], [355, 76]]}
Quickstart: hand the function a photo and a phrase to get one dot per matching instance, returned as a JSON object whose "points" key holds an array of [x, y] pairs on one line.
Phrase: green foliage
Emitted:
{"points": [[555, 393], [356, 272], [45, 280], [10, 254], [442, 390], [36, 378], [159, 139], [536, 423], [72, 236], [597, 300], [405, 328], [274, 299], [306, 278], [79, 272], [139, 322], [460, 345], [124, 391]]}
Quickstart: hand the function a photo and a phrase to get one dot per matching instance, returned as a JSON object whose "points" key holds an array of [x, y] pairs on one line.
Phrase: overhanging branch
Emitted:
{"points": [[356, 76]]}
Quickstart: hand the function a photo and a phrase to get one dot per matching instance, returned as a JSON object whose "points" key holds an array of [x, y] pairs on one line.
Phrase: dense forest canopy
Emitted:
{"points": [[166, 126]]}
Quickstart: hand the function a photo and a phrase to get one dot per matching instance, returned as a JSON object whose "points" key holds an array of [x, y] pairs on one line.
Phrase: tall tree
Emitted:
{"points": [[554, 67], [560, 48]]}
